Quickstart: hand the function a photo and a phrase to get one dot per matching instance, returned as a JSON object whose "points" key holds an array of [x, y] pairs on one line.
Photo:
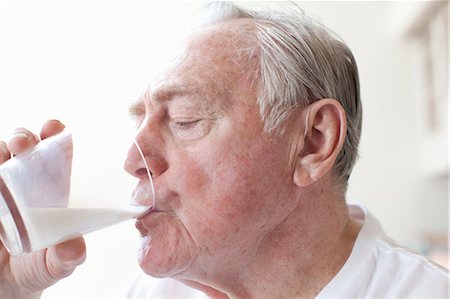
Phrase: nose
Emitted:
{"points": [[148, 150]]}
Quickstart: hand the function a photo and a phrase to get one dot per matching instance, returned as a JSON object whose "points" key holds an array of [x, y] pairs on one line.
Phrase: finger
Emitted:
{"points": [[22, 140], [39, 270], [62, 259], [50, 128], [4, 152]]}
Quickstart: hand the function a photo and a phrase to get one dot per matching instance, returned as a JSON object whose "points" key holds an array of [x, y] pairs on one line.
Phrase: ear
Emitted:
{"points": [[326, 128]]}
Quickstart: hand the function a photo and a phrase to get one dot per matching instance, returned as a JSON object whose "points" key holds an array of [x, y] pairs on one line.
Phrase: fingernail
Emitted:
{"points": [[72, 252], [76, 261]]}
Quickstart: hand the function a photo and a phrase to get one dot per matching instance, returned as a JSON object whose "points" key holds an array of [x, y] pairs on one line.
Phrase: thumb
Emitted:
{"points": [[62, 259], [39, 270]]}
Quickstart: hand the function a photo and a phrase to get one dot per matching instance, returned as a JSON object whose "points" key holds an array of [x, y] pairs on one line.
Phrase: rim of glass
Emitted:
{"points": [[149, 174]]}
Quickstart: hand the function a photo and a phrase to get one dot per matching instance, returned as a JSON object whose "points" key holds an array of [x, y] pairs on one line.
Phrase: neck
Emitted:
{"points": [[298, 258]]}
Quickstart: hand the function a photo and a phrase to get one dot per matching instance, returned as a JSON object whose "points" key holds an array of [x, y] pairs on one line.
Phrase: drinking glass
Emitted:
{"points": [[70, 184]]}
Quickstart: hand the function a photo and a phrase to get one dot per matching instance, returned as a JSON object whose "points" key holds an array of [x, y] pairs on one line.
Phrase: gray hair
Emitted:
{"points": [[300, 61]]}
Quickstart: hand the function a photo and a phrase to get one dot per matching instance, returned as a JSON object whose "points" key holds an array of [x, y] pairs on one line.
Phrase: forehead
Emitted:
{"points": [[213, 62]]}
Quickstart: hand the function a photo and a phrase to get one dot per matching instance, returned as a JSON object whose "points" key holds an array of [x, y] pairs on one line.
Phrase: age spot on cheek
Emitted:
{"points": [[195, 176]]}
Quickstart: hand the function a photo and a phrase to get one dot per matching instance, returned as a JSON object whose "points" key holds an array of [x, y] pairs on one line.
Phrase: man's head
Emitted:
{"points": [[299, 61], [231, 165]]}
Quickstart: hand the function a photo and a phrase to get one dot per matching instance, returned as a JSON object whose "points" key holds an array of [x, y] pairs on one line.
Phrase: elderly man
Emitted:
{"points": [[251, 136]]}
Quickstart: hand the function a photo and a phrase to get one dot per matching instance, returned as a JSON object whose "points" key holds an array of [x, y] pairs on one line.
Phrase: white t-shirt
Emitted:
{"points": [[376, 268]]}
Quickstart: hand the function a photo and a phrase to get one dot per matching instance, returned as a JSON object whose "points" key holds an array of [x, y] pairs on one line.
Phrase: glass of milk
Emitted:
{"points": [[70, 184]]}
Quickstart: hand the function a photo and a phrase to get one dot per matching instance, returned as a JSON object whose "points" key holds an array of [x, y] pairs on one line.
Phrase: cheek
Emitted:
{"points": [[194, 175], [229, 193], [215, 182]]}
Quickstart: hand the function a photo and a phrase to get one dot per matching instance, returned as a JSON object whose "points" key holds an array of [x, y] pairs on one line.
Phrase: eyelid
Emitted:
{"points": [[190, 129], [186, 121]]}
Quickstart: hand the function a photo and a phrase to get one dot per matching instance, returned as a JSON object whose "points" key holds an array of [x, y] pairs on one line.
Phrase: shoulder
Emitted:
{"points": [[379, 268], [406, 274]]}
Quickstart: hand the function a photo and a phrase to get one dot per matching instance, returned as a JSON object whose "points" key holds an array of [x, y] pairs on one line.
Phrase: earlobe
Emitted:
{"points": [[302, 178], [325, 127]]}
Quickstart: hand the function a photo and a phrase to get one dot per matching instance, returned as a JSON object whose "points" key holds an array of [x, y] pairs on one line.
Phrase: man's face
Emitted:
{"points": [[221, 184]]}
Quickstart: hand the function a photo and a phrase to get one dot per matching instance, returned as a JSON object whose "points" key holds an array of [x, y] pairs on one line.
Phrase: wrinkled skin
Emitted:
{"points": [[235, 205], [220, 181]]}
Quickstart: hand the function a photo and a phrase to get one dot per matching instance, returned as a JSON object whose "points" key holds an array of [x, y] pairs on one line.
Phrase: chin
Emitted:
{"points": [[165, 250], [151, 261], [159, 262]]}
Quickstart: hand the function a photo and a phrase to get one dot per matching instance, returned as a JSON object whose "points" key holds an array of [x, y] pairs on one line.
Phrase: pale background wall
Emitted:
{"points": [[58, 59]]}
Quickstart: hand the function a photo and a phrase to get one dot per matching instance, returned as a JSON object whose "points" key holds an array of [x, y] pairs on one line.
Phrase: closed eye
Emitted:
{"points": [[190, 129], [185, 125]]}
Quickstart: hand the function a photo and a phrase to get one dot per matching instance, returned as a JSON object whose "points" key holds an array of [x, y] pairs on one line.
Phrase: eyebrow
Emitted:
{"points": [[161, 94], [137, 108]]}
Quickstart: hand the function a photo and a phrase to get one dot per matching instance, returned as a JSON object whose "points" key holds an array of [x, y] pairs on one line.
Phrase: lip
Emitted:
{"points": [[141, 221], [142, 230]]}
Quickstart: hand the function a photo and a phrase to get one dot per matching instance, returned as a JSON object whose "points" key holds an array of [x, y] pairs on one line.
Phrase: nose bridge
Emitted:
{"points": [[151, 144], [149, 138]]}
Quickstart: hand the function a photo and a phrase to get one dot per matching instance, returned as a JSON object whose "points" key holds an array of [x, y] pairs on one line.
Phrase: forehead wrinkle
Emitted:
{"points": [[239, 49], [168, 91], [231, 44], [193, 94]]}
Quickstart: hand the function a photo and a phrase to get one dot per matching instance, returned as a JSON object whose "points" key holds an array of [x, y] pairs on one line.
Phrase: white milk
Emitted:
{"points": [[50, 226]]}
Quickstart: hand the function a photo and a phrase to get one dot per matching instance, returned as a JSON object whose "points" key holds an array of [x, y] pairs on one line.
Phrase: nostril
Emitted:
{"points": [[141, 172]]}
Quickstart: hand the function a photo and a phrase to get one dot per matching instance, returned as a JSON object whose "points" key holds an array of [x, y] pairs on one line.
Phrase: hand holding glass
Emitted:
{"points": [[70, 184]]}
